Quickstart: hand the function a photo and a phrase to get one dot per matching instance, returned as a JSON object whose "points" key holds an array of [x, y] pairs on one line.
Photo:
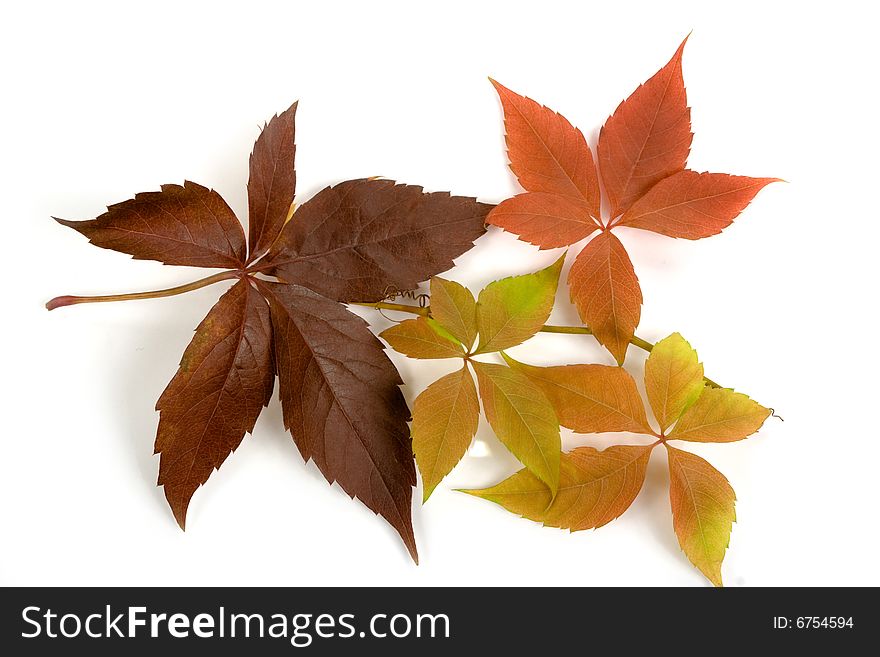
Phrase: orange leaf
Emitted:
{"points": [[546, 152], [702, 511], [589, 398], [647, 138], [605, 289], [693, 205], [594, 488], [545, 220]]}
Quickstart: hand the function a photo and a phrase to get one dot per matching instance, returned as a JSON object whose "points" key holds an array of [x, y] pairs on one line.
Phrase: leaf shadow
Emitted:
{"points": [[653, 510]]}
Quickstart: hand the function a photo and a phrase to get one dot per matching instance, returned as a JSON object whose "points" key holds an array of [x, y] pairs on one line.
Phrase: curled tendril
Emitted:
{"points": [[393, 294]]}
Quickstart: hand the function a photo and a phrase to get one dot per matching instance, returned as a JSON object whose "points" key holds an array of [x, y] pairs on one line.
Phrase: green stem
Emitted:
{"points": [[60, 302], [398, 307], [547, 328]]}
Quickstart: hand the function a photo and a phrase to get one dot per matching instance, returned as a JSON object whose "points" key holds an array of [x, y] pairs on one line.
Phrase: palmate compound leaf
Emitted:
{"points": [[702, 511], [673, 379], [522, 419], [605, 289], [647, 138], [693, 205], [422, 337], [512, 310], [589, 398], [455, 309], [546, 152], [594, 488], [361, 239], [181, 225], [272, 182], [642, 154], [225, 379], [342, 403], [445, 419]]}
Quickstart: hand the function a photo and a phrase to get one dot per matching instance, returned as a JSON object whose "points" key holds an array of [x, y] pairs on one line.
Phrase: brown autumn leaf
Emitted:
{"points": [[642, 155], [225, 379], [272, 182], [340, 392], [360, 238], [181, 225], [342, 403]]}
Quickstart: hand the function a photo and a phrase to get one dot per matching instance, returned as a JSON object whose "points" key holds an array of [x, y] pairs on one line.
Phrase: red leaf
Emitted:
{"points": [[546, 152], [272, 182], [189, 225], [225, 378], [342, 403], [647, 138], [605, 289], [362, 238], [693, 205], [546, 220]]}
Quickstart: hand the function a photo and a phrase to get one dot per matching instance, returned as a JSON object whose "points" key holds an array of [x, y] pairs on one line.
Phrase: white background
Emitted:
{"points": [[103, 101]]}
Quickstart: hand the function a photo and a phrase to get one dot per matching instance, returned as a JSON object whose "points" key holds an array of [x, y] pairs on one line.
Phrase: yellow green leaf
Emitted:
{"points": [[720, 415], [589, 398], [673, 379], [594, 488], [454, 307], [445, 418], [702, 511], [523, 420], [420, 338], [512, 310]]}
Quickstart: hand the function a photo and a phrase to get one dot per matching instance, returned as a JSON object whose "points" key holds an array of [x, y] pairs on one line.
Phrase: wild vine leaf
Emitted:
{"points": [[702, 511], [340, 393], [647, 138], [272, 183], [673, 379], [594, 488], [512, 310], [605, 289], [186, 225], [341, 402], [445, 419], [589, 398], [522, 418], [546, 152], [225, 379], [720, 415], [422, 338], [693, 205], [357, 240], [545, 220], [642, 155], [455, 309]]}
